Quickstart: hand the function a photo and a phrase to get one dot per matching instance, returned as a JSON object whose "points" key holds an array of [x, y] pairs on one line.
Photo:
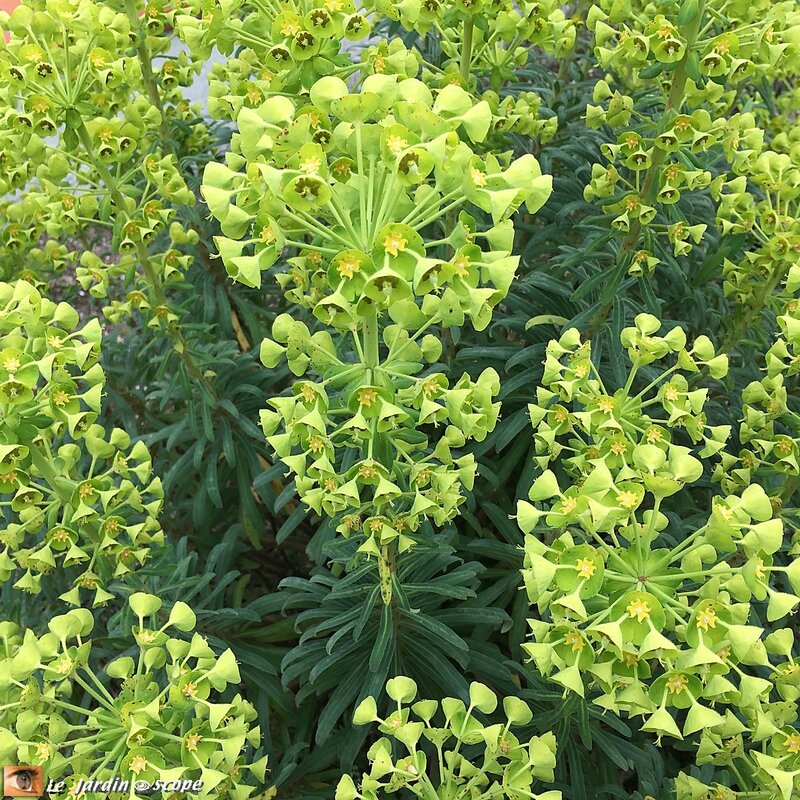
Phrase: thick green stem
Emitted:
{"points": [[150, 272], [755, 307], [650, 184], [466, 49], [146, 61], [371, 351]]}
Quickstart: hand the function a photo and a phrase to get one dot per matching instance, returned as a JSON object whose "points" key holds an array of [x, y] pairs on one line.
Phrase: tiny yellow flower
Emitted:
{"points": [[677, 684], [619, 448], [430, 387], [575, 641], [11, 365], [307, 393], [311, 165], [267, 234], [192, 741], [190, 690], [605, 404], [348, 266], [138, 763], [586, 568], [478, 177], [653, 435], [792, 743], [60, 398], [670, 393], [760, 572], [569, 505], [394, 244], [706, 619], [367, 397], [582, 370], [396, 144], [289, 28], [367, 471], [461, 265], [43, 751], [630, 659], [639, 609], [85, 491], [628, 499], [316, 445]]}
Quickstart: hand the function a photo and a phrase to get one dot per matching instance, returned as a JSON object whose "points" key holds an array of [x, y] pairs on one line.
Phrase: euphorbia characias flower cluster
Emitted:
{"points": [[698, 54], [371, 190], [504, 764], [158, 716], [98, 519], [646, 619], [373, 203]]}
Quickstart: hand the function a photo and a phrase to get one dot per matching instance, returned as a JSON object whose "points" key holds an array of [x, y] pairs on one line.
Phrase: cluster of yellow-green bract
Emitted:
{"points": [[354, 182], [648, 617], [503, 766], [158, 715], [73, 496]]}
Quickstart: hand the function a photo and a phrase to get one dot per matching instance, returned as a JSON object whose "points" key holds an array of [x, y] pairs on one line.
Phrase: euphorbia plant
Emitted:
{"points": [[95, 516], [371, 190], [159, 716], [651, 619], [450, 752]]}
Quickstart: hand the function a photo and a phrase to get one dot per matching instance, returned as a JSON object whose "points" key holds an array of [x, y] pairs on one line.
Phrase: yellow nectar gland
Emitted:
{"points": [[706, 619], [478, 177], [629, 659], [307, 393], [290, 28], [60, 398], [760, 572], [670, 393], [367, 471], [430, 387], [190, 690], [348, 266], [582, 370], [792, 743], [396, 144], [138, 763], [315, 444], [605, 404], [267, 234], [569, 505], [461, 265], [653, 435], [192, 741], [43, 751], [394, 244], [586, 568], [619, 448], [575, 641], [311, 165], [628, 500], [677, 684], [11, 365], [367, 397], [639, 609]]}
